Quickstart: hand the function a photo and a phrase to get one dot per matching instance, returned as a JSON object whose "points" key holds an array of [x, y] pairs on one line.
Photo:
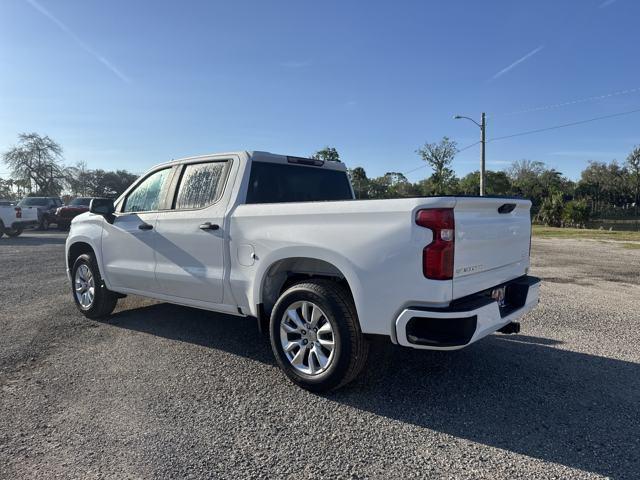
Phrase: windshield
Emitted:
{"points": [[33, 202], [80, 202]]}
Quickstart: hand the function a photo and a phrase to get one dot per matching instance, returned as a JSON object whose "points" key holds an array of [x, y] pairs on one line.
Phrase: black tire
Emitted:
{"points": [[13, 232], [104, 300], [350, 349], [44, 224], [1, 228]]}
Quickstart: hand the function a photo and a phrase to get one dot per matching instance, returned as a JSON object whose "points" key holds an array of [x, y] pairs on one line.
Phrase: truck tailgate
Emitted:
{"points": [[491, 244], [29, 214]]}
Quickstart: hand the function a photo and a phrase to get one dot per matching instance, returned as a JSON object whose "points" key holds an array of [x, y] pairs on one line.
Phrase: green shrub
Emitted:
{"points": [[576, 213], [551, 211]]}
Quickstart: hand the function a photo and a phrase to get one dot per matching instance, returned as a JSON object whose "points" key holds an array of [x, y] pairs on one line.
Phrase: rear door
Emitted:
{"points": [[190, 237], [491, 244]]}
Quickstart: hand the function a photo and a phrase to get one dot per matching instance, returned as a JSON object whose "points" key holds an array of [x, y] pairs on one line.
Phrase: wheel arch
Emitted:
{"points": [[284, 271], [80, 245], [76, 249]]}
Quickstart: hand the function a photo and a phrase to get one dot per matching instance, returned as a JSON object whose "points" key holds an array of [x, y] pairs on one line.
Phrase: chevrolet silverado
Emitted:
{"points": [[282, 239]]}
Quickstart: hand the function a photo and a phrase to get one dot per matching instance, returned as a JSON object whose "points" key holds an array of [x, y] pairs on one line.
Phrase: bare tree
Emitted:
{"points": [[6, 189], [523, 170], [37, 161], [78, 178]]}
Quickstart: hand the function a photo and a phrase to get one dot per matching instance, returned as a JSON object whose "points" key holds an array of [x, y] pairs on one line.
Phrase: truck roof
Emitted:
{"points": [[261, 156]]}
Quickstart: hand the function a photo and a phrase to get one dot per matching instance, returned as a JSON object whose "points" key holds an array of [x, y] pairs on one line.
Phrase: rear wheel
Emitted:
{"points": [[91, 296], [315, 335], [13, 232]]}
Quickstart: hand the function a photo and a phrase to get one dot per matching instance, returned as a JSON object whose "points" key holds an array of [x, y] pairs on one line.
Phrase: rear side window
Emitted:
{"points": [[147, 195], [201, 184], [277, 183]]}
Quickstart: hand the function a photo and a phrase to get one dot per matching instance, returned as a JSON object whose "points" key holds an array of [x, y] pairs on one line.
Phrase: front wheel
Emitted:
{"points": [[89, 292], [315, 335]]}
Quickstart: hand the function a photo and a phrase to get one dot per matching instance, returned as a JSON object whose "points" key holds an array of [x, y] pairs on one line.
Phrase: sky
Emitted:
{"points": [[129, 84]]}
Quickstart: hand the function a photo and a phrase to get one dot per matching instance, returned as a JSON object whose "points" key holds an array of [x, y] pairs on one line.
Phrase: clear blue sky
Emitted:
{"points": [[128, 84]]}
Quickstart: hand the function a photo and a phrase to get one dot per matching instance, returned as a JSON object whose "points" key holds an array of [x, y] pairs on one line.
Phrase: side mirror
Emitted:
{"points": [[102, 206]]}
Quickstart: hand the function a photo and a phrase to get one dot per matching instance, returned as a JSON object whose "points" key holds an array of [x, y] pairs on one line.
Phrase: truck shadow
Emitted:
{"points": [[522, 394]]}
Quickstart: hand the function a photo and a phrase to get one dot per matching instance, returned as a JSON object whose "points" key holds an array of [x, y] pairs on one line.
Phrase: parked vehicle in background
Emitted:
{"points": [[282, 239], [14, 219], [46, 207], [6, 203], [66, 213]]}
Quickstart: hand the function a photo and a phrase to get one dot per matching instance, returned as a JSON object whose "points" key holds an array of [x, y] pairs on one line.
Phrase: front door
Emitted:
{"points": [[190, 237], [128, 244]]}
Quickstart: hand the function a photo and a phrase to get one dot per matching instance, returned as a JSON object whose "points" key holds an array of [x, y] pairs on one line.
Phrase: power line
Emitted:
{"points": [[413, 170], [468, 146], [570, 102], [425, 165], [571, 124], [538, 130]]}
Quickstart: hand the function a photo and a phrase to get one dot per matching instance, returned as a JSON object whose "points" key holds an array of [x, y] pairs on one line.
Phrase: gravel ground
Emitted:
{"points": [[160, 391]]}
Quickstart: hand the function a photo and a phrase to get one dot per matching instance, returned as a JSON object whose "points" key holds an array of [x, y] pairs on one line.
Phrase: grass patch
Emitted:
{"points": [[631, 246], [540, 231]]}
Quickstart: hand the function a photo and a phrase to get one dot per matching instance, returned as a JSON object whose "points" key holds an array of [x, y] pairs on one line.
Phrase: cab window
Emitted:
{"points": [[201, 184], [275, 183], [147, 195]]}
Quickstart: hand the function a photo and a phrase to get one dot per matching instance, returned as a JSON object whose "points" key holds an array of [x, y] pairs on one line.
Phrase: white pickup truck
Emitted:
{"points": [[282, 239], [14, 219]]}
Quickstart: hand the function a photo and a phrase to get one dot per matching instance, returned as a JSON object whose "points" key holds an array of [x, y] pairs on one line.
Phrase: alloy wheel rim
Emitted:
{"points": [[84, 286], [307, 338]]}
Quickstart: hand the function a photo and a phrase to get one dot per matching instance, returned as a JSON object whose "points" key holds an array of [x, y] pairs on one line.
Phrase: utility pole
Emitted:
{"points": [[482, 125], [483, 128]]}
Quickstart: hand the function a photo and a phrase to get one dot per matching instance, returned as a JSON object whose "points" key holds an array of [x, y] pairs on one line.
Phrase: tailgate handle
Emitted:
{"points": [[507, 208]]}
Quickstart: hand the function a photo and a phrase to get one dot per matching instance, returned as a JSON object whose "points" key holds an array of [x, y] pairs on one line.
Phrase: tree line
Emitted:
{"points": [[38, 169], [605, 190]]}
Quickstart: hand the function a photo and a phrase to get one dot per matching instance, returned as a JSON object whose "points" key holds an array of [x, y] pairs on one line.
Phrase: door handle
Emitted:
{"points": [[209, 226], [145, 226]]}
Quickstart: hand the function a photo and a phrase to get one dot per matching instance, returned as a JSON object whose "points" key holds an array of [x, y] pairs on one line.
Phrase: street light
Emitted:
{"points": [[482, 125]]}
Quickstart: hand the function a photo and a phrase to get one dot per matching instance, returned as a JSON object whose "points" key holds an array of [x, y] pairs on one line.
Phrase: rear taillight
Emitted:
{"points": [[18, 212], [437, 257]]}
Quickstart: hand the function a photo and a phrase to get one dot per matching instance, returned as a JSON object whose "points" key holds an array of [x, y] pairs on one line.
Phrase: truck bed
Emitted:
{"points": [[377, 247]]}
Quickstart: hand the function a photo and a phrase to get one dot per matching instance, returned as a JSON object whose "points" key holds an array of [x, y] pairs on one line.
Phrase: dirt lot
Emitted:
{"points": [[160, 391]]}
